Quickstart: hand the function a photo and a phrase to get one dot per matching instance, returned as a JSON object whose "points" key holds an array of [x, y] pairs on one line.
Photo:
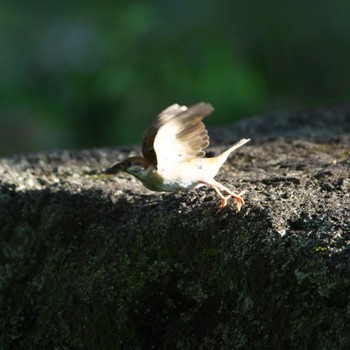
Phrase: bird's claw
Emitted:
{"points": [[238, 198], [224, 201]]}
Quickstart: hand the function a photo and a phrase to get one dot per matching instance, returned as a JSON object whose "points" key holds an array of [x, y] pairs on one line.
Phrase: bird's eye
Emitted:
{"points": [[134, 168]]}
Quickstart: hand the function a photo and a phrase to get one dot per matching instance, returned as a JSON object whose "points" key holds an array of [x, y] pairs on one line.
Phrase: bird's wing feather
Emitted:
{"points": [[150, 134], [178, 135]]}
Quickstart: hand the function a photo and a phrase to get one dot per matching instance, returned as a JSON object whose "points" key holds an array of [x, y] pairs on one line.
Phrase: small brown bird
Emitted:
{"points": [[173, 154]]}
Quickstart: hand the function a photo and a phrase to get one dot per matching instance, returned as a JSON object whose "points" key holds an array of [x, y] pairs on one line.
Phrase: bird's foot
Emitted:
{"points": [[224, 201], [239, 202], [237, 197]]}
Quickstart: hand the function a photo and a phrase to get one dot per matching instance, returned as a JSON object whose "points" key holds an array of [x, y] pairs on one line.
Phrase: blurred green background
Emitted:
{"points": [[78, 74]]}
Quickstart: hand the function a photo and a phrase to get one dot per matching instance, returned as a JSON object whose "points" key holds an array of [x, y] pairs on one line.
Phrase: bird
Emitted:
{"points": [[173, 150]]}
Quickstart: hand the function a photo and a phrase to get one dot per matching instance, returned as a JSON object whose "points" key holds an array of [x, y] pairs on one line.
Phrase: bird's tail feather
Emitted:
{"points": [[236, 145], [213, 165], [224, 155]]}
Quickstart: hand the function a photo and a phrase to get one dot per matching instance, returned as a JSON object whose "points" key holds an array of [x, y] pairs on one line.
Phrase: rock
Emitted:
{"points": [[90, 261]]}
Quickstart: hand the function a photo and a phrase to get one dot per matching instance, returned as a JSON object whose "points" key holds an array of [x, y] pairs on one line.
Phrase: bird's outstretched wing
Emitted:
{"points": [[177, 135]]}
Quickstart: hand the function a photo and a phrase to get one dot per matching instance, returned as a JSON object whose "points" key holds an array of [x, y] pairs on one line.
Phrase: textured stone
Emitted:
{"points": [[90, 261]]}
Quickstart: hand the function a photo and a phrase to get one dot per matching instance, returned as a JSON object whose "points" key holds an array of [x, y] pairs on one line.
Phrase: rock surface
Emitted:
{"points": [[89, 261]]}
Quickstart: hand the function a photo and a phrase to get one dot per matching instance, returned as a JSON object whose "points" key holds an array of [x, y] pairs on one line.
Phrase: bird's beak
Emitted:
{"points": [[116, 168]]}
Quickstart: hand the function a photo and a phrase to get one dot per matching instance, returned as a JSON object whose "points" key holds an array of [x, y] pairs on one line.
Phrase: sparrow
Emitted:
{"points": [[173, 154]]}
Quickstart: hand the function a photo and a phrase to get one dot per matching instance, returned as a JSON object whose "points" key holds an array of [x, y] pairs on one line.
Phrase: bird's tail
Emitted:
{"points": [[224, 155], [235, 146], [213, 165]]}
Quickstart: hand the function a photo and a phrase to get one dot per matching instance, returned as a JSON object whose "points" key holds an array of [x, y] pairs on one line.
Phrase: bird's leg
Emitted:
{"points": [[224, 199], [218, 187], [237, 197]]}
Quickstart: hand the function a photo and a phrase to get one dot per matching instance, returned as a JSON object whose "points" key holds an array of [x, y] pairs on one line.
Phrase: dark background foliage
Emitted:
{"points": [[88, 74]]}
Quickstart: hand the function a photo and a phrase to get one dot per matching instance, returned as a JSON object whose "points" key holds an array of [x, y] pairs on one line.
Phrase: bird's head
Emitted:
{"points": [[136, 166]]}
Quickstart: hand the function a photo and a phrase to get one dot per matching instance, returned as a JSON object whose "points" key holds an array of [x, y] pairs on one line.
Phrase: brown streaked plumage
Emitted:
{"points": [[173, 154]]}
